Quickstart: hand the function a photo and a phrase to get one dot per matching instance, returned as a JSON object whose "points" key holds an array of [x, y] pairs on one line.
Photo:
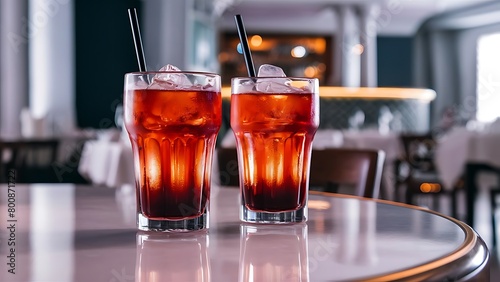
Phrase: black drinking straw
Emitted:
{"points": [[136, 34], [244, 44]]}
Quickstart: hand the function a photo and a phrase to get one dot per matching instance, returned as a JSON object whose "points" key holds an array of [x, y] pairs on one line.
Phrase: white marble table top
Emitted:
{"points": [[64, 232]]}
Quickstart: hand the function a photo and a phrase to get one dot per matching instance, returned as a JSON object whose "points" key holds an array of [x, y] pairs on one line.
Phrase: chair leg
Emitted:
{"points": [[331, 187], [493, 203], [408, 195], [454, 203], [397, 192], [436, 201]]}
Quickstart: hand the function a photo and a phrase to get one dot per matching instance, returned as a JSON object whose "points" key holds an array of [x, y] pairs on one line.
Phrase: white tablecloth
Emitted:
{"points": [[390, 143], [461, 146], [107, 163]]}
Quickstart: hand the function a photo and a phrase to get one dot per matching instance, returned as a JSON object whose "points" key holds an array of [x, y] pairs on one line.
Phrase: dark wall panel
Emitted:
{"points": [[394, 61], [104, 53]]}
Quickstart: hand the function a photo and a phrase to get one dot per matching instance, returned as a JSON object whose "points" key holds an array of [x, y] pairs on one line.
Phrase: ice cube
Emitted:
{"points": [[171, 80], [266, 70], [208, 84], [170, 68], [247, 87], [274, 84], [139, 84], [152, 122]]}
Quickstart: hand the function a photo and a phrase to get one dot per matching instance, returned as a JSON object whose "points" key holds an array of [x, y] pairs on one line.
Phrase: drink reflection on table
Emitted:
{"points": [[367, 252], [273, 253], [172, 257], [355, 232]]}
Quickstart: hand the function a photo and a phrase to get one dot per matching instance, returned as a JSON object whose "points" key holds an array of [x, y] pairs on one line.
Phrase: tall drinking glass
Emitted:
{"points": [[274, 121], [172, 119]]}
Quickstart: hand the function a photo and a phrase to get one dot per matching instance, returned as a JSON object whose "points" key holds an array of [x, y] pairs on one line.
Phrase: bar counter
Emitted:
{"points": [[409, 106]]}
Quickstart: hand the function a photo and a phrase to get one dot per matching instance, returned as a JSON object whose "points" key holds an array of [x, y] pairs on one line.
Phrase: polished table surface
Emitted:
{"points": [[64, 232]]}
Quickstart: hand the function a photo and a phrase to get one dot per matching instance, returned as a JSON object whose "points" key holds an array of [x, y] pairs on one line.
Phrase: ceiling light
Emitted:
{"points": [[310, 71], [358, 49], [298, 51], [256, 40]]}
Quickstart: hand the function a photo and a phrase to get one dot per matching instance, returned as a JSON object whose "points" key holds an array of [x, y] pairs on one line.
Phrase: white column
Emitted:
{"points": [[346, 61], [337, 61], [368, 39], [165, 33], [52, 64], [14, 65], [176, 33]]}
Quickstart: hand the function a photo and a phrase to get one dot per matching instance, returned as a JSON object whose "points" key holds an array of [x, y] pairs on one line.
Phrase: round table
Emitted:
{"points": [[64, 232]]}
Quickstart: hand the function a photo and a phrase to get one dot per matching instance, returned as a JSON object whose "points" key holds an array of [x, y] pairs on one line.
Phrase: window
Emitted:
{"points": [[488, 78]]}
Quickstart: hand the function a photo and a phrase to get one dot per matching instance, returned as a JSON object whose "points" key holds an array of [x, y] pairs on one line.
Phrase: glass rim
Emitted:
{"points": [[274, 77], [173, 72]]}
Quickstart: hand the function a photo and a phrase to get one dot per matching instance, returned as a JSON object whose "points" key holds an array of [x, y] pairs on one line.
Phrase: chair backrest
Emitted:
{"points": [[419, 151], [227, 165], [360, 168], [32, 159]]}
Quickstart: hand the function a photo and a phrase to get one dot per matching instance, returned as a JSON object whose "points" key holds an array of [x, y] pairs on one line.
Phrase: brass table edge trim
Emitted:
{"points": [[469, 243]]}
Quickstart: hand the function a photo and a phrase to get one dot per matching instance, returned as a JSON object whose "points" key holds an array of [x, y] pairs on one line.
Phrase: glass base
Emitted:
{"points": [[184, 225], [286, 217]]}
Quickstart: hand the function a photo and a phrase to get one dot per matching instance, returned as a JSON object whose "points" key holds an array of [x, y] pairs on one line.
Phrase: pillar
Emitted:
{"points": [[14, 37], [52, 64], [346, 62], [368, 39]]}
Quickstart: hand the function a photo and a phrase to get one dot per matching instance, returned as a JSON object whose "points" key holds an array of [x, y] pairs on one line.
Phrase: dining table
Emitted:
{"points": [[69, 232], [466, 153], [107, 162]]}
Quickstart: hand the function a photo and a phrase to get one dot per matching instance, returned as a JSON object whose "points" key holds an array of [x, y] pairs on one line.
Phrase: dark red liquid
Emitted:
{"points": [[173, 135], [275, 133]]}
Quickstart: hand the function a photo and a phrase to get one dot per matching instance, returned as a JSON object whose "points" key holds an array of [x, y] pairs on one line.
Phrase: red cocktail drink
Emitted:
{"points": [[173, 133], [274, 132]]}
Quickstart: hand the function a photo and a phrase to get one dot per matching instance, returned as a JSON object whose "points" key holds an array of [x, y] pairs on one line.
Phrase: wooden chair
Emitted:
{"points": [[494, 192], [333, 168], [421, 177], [227, 165], [31, 160]]}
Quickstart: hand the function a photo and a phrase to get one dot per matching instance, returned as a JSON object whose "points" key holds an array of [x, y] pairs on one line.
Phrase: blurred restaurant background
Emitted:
{"points": [[386, 68], [65, 59]]}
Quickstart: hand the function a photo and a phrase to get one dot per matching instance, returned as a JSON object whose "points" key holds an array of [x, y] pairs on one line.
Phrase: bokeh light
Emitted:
{"points": [[256, 40], [358, 49], [298, 51], [310, 71]]}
